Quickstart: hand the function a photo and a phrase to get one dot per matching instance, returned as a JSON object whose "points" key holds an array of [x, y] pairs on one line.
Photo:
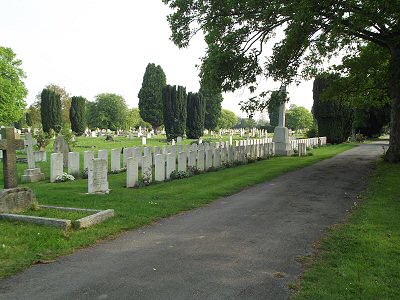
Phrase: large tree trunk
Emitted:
{"points": [[393, 153]]}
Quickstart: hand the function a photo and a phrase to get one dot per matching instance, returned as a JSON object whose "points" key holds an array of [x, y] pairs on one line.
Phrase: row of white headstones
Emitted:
{"points": [[166, 160]]}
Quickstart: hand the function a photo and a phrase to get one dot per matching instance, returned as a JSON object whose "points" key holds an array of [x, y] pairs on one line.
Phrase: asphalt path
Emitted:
{"points": [[240, 247]]}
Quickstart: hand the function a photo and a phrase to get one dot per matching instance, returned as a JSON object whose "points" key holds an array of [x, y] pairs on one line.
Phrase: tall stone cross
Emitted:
{"points": [[9, 145], [282, 109], [29, 143]]}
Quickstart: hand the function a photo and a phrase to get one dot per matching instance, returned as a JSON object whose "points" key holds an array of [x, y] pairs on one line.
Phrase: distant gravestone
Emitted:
{"points": [[61, 146], [179, 139], [97, 177]]}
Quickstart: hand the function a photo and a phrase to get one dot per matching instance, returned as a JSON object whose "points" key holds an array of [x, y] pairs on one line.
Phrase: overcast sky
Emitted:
{"points": [[95, 46]]}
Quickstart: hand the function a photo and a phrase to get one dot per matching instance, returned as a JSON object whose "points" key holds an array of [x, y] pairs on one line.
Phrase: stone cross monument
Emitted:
{"points": [[32, 174], [12, 198], [9, 145], [281, 133]]}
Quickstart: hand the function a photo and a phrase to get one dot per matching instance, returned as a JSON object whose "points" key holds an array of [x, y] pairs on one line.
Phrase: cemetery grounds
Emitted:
{"points": [[371, 233]]}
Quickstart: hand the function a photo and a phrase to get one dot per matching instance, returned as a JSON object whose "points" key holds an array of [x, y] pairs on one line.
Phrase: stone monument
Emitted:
{"points": [[281, 133], [61, 146], [32, 174], [12, 198]]}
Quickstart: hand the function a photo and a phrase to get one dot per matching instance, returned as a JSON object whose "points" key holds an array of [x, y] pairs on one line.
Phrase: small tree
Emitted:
{"points": [[299, 117], [195, 115], [213, 99], [50, 110], [174, 108], [150, 95], [77, 115]]}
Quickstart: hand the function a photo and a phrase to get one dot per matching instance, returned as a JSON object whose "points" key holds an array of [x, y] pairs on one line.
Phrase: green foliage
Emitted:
{"points": [[247, 123], [12, 88], [150, 95], [371, 122], [299, 117], [109, 111], [42, 139], [213, 99], [195, 115], [303, 36], [174, 108], [227, 119], [35, 115], [28, 119], [134, 119], [50, 110], [77, 115], [334, 116]]}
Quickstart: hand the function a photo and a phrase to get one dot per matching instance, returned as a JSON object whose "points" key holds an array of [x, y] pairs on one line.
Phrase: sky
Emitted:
{"points": [[96, 46]]}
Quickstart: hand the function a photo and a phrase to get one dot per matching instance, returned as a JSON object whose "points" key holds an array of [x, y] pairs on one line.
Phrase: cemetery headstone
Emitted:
{"points": [[87, 157], [97, 177], [179, 139], [182, 161], [171, 164], [115, 160], [56, 166], [159, 162], [61, 146], [73, 164], [132, 172]]}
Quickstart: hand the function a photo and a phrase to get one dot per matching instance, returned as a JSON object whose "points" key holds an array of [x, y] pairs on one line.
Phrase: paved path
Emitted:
{"points": [[227, 250]]}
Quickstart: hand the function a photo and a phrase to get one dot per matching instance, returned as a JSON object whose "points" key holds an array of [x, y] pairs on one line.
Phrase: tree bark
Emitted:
{"points": [[393, 153]]}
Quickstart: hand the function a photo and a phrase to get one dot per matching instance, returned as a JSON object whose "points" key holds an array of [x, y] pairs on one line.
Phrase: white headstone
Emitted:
{"points": [[182, 161], [132, 172], [209, 158], [147, 168], [171, 164], [103, 154], [87, 157], [115, 160], [217, 158], [144, 140], [200, 160], [56, 166], [97, 177], [159, 162], [192, 159], [73, 164], [179, 139]]}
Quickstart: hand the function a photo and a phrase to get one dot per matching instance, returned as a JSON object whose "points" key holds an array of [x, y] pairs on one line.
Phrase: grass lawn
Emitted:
{"points": [[24, 244], [361, 259]]}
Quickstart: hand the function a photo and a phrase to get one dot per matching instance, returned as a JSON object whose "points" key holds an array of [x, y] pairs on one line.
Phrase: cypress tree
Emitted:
{"points": [[50, 110], [77, 114], [195, 115], [334, 117], [150, 95], [174, 111]]}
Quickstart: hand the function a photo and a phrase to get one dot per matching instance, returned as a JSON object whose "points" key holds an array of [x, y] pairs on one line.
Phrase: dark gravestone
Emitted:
{"points": [[61, 146], [16, 200]]}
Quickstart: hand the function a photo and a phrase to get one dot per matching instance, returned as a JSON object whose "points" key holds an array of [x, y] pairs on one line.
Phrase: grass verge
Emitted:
{"points": [[21, 244], [361, 259]]}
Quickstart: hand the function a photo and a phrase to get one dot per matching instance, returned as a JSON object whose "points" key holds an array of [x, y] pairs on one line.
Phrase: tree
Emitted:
{"points": [[77, 115], [196, 109], [237, 32], [247, 123], [150, 95], [174, 108], [50, 110], [109, 111], [65, 101], [334, 116], [227, 119], [134, 119], [34, 114], [12, 87], [213, 98], [299, 117]]}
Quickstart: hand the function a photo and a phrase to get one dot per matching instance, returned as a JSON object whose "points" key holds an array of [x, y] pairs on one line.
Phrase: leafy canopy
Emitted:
{"points": [[12, 88], [299, 117], [227, 119]]}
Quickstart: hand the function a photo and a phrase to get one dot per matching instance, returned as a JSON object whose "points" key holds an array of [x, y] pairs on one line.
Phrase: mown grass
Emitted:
{"points": [[24, 244], [55, 213], [361, 259]]}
